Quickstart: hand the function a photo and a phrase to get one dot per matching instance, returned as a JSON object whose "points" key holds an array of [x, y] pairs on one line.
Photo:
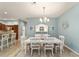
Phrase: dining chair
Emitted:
{"points": [[60, 46], [57, 47], [48, 46], [26, 47], [35, 46], [4, 41], [61, 37], [13, 38], [0, 41]]}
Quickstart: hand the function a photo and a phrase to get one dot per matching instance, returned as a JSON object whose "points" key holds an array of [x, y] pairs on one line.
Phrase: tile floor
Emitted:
{"points": [[16, 51], [11, 51], [67, 53]]}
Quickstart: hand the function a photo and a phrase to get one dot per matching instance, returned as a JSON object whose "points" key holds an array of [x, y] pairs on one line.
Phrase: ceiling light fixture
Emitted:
{"points": [[44, 18], [5, 12]]}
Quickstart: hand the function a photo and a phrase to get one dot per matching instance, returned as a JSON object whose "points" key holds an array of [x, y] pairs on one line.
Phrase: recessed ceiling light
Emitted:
{"points": [[34, 2], [5, 12]]}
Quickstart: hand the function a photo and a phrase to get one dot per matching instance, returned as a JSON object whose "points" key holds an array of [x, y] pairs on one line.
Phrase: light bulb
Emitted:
{"points": [[41, 20], [5, 12], [47, 20], [44, 19]]}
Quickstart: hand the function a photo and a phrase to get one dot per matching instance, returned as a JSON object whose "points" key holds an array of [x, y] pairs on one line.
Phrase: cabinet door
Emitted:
{"points": [[2, 27], [15, 28]]}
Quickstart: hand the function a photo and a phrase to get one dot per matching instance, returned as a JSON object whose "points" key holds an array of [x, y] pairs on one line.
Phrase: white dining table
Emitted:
{"points": [[41, 41]]}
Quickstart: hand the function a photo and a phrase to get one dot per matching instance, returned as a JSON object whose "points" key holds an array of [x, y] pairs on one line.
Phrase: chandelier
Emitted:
{"points": [[44, 19]]}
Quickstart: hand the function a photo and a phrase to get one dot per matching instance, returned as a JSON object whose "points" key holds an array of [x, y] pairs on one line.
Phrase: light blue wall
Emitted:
{"points": [[35, 21], [22, 32], [71, 33]]}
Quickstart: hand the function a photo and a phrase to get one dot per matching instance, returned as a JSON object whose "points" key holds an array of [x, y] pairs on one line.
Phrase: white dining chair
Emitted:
{"points": [[4, 40], [0, 42], [48, 46], [35, 46], [61, 37], [60, 47], [13, 38], [26, 47], [57, 46]]}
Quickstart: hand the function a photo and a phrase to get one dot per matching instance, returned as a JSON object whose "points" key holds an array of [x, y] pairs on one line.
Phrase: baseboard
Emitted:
{"points": [[72, 50]]}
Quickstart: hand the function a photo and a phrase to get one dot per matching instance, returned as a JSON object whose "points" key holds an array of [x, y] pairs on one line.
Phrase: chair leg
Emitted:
{"points": [[55, 49], [45, 52], [1, 48], [38, 51], [31, 51], [61, 51], [52, 53], [25, 50]]}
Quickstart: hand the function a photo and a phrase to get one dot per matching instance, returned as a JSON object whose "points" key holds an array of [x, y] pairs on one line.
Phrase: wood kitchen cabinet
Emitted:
{"points": [[15, 29], [3, 27]]}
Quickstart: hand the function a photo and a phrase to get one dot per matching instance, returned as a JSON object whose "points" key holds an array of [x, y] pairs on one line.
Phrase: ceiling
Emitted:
{"points": [[32, 9]]}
